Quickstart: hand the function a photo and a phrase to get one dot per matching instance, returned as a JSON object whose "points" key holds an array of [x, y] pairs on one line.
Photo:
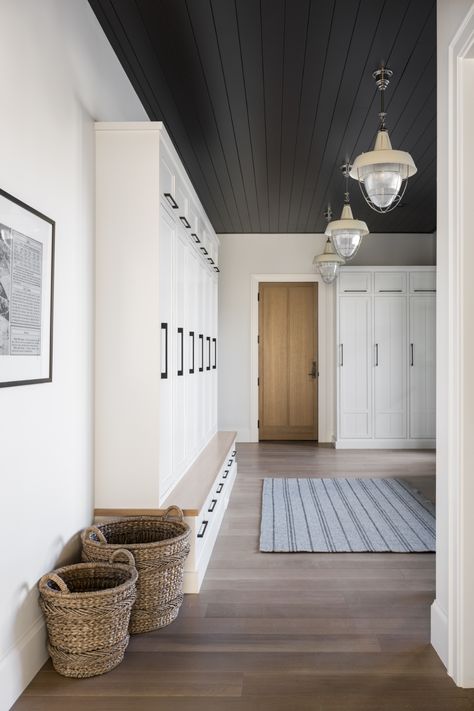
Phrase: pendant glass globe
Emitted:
{"points": [[347, 233], [328, 263]]}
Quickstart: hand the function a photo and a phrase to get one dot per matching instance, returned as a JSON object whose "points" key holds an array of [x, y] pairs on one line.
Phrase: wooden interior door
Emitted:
{"points": [[288, 384]]}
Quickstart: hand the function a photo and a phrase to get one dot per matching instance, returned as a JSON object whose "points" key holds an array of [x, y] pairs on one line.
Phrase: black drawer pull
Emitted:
{"points": [[216, 269], [208, 339], [203, 250], [171, 201], [164, 328], [185, 221], [181, 346], [229, 463], [201, 340], [212, 506], [220, 487], [390, 291], [234, 452], [214, 365], [195, 237], [191, 336], [210, 260], [202, 530], [430, 291], [225, 474]]}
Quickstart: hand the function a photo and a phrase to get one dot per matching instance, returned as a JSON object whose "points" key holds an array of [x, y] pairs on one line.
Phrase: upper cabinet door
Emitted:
{"points": [[355, 366], [422, 354], [389, 365]]}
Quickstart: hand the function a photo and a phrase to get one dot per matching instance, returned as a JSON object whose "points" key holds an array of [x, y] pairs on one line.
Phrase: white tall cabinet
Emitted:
{"points": [[156, 319], [386, 320]]}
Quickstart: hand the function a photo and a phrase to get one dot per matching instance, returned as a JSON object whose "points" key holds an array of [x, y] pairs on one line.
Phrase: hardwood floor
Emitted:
{"points": [[285, 632]]}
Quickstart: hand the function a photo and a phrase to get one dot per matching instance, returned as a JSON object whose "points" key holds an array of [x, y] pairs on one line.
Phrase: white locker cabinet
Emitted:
{"points": [[390, 322], [422, 367], [386, 357], [354, 367], [156, 299]]}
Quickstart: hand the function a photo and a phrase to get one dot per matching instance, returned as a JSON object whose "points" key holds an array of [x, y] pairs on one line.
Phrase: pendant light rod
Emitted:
{"points": [[382, 78], [346, 169]]}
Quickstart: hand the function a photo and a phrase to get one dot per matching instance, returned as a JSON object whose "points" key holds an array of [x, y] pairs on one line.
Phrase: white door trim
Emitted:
{"points": [[326, 341], [453, 644]]}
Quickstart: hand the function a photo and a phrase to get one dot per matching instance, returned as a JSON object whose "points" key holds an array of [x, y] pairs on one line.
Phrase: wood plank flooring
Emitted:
{"points": [[285, 632]]}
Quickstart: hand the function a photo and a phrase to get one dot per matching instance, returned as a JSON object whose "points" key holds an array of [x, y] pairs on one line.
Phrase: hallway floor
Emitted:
{"points": [[285, 632]]}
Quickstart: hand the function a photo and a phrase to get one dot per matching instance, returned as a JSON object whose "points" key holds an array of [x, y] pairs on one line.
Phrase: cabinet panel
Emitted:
{"points": [[355, 367], [422, 282], [179, 364], [390, 282], [389, 359], [354, 282], [422, 367], [167, 241]]}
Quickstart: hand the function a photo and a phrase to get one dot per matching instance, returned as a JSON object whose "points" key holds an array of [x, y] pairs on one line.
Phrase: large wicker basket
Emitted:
{"points": [[160, 545], [87, 608]]}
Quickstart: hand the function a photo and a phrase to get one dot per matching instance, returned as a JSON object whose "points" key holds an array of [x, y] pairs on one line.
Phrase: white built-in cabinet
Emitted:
{"points": [[386, 325], [156, 319]]}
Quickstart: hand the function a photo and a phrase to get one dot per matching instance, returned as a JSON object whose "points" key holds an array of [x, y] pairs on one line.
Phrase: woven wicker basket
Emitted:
{"points": [[87, 608], [160, 545]]}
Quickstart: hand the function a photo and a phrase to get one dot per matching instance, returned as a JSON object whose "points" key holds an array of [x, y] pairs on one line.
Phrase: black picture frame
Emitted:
{"points": [[27, 236]]}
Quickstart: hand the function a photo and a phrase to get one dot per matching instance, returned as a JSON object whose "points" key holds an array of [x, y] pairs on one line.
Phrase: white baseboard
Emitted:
{"points": [[22, 663], [385, 444], [439, 632]]}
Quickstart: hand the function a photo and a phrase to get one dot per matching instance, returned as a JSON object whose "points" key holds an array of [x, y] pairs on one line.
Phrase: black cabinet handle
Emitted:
{"points": [[220, 487], [214, 365], [208, 339], [181, 347], [201, 340], [429, 291], [203, 250], [202, 530], [234, 452], [341, 358], [412, 354], [225, 474], [185, 222], [191, 336], [216, 269], [376, 354], [195, 237], [390, 291], [164, 328], [229, 463], [210, 260], [212, 506], [171, 201]]}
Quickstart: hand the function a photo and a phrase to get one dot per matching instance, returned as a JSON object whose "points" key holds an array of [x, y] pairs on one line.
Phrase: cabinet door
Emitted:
{"points": [[179, 365], [422, 367], [355, 391], [167, 350], [192, 335], [389, 359]]}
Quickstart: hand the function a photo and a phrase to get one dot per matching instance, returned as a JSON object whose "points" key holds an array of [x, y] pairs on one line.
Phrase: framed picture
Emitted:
{"points": [[26, 293]]}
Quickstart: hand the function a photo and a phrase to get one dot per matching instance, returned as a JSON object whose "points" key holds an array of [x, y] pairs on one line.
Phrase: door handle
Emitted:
{"points": [[313, 370]]}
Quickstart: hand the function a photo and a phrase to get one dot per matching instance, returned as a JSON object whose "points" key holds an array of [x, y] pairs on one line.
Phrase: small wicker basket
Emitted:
{"points": [[160, 545], [87, 609]]}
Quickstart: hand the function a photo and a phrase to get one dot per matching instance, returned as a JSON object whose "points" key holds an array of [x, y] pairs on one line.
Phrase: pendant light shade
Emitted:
{"points": [[383, 172], [347, 233], [328, 263]]}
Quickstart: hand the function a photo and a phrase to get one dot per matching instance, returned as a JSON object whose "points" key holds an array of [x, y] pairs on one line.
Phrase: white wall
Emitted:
{"points": [[241, 256], [58, 74]]}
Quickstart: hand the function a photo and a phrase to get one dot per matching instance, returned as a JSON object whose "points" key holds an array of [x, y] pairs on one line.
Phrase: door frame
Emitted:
{"points": [[326, 352], [452, 615]]}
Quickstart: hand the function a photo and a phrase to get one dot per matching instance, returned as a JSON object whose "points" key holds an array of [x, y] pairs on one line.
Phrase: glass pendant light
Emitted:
{"points": [[347, 233], [383, 173], [329, 261]]}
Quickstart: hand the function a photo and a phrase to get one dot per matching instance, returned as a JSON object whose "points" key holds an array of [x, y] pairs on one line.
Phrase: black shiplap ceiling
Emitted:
{"points": [[265, 99]]}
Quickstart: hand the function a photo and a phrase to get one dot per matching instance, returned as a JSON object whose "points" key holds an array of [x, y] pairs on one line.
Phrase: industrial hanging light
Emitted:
{"points": [[346, 233], [329, 261], [383, 173]]}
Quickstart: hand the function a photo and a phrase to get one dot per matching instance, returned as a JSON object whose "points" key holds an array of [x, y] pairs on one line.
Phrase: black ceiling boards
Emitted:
{"points": [[265, 99]]}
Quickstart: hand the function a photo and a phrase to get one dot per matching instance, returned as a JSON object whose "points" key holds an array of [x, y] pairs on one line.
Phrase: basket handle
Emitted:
{"points": [[52, 577], [97, 532], [124, 553], [179, 516]]}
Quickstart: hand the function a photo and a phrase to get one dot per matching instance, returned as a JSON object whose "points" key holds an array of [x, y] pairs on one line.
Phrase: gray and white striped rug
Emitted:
{"points": [[345, 515]]}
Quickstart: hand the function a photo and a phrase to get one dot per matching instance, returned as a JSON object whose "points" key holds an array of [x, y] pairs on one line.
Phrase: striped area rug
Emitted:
{"points": [[344, 516]]}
